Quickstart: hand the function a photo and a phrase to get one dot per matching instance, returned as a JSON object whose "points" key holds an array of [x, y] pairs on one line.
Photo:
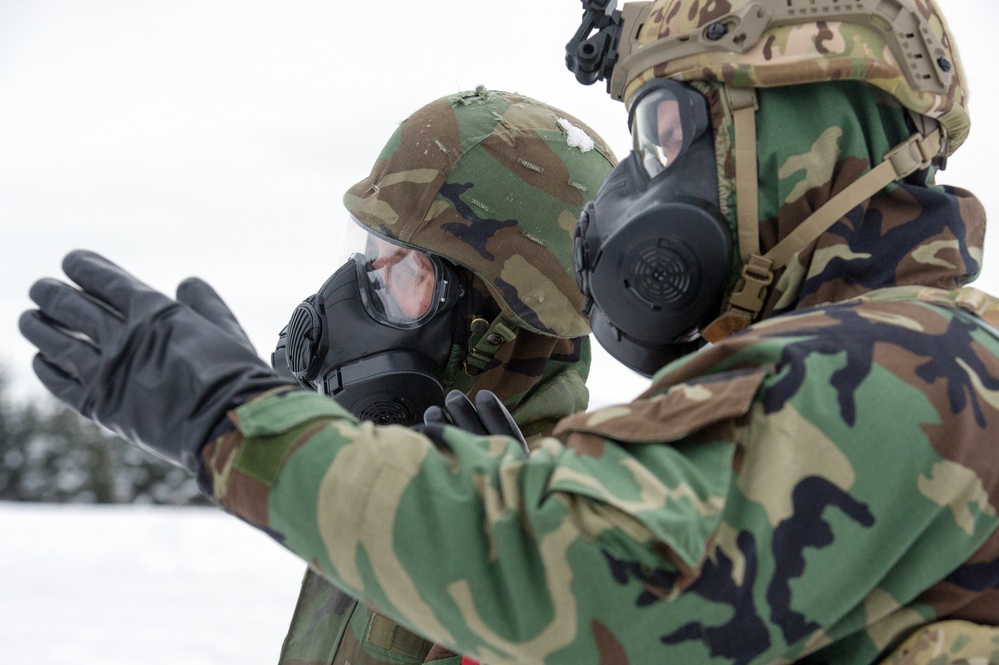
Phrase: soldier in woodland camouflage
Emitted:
{"points": [[492, 182], [818, 485]]}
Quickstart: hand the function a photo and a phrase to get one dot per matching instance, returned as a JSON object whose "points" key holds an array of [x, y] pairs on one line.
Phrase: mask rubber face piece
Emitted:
{"points": [[377, 335], [653, 252]]}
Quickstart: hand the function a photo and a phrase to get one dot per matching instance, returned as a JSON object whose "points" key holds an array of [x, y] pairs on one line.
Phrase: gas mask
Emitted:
{"points": [[652, 252], [378, 334]]}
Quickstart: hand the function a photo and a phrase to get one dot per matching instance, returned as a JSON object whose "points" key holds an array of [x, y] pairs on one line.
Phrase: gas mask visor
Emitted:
{"points": [[666, 119], [402, 287]]}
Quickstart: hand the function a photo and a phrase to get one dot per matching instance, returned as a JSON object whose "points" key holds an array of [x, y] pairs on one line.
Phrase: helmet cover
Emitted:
{"points": [[495, 182]]}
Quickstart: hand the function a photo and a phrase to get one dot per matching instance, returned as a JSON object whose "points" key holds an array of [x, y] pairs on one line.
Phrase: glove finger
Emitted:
{"points": [[199, 295], [59, 383], [109, 283], [462, 413], [74, 310], [76, 359], [435, 415], [497, 418]]}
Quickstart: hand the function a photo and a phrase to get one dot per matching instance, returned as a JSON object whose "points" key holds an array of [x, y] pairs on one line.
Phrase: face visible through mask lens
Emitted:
{"points": [[652, 251], [670, 131], [404, 287], [404, 278], [665, 122]]}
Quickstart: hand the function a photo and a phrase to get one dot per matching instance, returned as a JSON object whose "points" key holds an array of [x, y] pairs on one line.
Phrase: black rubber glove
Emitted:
{"points": [[161, 373], [199, 295], [486, 416]]}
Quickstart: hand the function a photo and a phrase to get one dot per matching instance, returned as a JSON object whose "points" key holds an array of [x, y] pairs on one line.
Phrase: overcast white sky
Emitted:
{"points": [[216, 137]]}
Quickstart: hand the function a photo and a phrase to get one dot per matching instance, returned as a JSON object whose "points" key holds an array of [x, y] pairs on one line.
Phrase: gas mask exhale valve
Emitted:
{"points": [[652, 251]]}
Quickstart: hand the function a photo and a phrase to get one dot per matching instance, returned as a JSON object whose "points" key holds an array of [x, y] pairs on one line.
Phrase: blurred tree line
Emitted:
{"points": [[49, 453]]}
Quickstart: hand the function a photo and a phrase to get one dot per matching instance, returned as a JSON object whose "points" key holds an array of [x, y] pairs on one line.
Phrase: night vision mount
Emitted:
{"points": [[593, 58], [613, 53]]}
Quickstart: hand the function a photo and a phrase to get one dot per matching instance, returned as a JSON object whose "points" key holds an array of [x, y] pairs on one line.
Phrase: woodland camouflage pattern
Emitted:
{"points": [[502, 201], [702, 521], [818, 488], [425, 190], [541, 380]]}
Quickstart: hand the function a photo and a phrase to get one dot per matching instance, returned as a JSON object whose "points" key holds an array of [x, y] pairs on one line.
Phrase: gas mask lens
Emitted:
{"points": [[666, 118], [404, 287]]}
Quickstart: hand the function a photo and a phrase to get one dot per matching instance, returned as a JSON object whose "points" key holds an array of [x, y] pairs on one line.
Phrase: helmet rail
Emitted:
{"points": [[605, 55], [919, 52]]}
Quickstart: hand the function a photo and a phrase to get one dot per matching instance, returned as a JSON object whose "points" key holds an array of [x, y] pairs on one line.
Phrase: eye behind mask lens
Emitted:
{"points": [[667, 117], [407, 291]]}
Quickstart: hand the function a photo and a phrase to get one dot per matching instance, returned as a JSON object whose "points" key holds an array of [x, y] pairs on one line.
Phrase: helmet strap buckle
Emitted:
{"points": [[746, 301]]}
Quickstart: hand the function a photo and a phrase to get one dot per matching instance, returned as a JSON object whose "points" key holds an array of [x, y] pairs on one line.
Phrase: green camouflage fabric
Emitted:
{"points": [[513, 229], [539, 374], [910, 233], [813, 51], [541, 379], [815, 489]]}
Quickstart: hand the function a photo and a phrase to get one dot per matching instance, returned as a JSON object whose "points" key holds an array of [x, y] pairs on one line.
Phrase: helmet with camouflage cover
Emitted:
{"points": [[494, 182]]}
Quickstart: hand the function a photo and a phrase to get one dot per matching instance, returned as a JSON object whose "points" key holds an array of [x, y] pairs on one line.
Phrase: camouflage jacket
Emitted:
{"points": [[815, 488], [328, 626]]}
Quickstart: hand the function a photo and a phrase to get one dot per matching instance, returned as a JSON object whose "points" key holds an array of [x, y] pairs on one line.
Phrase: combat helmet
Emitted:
{"points": [[494, 182], [901, 47]]}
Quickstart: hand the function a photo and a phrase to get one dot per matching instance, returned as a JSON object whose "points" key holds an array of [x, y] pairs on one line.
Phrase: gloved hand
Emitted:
{"points": [[199, 295], [486, 416], [161, 373]]}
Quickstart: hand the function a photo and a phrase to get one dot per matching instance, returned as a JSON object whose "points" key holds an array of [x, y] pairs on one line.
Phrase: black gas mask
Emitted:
{"points": [[652, 251], [377, 335]]}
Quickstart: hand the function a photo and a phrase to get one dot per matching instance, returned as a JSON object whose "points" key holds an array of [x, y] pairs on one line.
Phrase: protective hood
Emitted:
{"points": [[812, 142], [540, 378]]}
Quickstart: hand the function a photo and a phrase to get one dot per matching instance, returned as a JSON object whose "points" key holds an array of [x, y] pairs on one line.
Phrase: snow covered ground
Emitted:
{"points": [[121, 585]]}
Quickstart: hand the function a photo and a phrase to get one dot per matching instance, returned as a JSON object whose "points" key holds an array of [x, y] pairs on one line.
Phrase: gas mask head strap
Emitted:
{"points": [[746, 301]]}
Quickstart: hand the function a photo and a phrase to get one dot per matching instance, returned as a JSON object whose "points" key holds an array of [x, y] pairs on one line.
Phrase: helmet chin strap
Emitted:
{"points": [[750, 293]]}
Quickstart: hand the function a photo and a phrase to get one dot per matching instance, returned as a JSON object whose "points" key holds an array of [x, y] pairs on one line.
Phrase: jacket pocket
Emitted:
{"points": [[653, 476]]}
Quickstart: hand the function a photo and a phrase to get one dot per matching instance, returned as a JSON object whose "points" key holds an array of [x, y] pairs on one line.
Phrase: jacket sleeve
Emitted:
{"points": [[825, 483], [552, 533]]}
